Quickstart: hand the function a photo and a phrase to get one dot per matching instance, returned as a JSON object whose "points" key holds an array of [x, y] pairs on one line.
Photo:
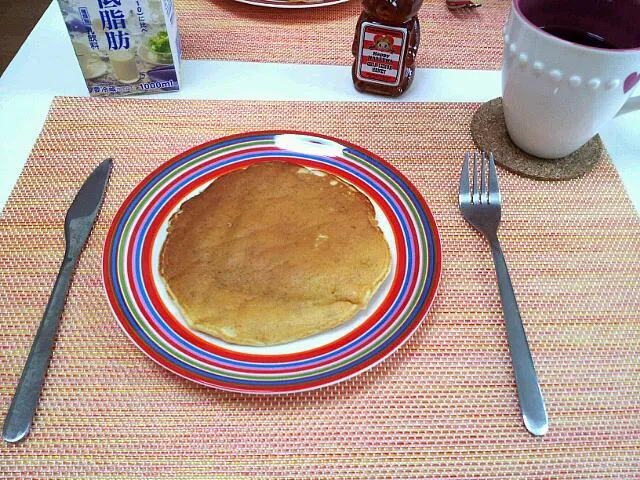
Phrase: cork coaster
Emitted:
{"points": [[489, 131]]}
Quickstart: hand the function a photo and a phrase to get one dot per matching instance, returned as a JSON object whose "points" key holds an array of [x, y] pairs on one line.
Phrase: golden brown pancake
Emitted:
{"points": [[273, 253]]}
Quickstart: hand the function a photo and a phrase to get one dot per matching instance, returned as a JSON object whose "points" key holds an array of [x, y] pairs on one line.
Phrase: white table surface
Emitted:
{"points": [[36, 75]]}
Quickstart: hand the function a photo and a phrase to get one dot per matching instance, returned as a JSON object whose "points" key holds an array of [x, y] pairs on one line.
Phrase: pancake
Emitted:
{"points": [[273, 253]]}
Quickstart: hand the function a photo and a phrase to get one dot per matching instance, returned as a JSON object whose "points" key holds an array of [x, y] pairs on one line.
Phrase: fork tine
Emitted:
{"points": [[463, 195], [494, 187], [476, 193], [483, 189]]}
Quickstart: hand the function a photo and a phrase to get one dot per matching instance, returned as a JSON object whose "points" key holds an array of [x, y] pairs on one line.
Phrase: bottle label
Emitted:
{"points": [[381, 53]]}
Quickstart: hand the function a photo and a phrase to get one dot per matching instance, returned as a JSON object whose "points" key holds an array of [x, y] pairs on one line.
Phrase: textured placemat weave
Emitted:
{"points": [[443, 406], [229, 30]]}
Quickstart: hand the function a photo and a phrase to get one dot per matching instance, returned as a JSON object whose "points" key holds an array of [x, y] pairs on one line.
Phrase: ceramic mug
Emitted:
{"points": [[568, 68]]}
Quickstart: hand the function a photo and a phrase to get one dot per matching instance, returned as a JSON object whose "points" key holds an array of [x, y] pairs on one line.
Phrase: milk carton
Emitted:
{"points": [[125, 47]]}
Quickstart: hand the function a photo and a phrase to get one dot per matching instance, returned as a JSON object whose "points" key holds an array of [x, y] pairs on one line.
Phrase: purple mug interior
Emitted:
{"points": [[616, 21]]}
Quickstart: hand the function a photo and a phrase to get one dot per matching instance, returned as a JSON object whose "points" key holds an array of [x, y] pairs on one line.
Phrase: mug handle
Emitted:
{"points": [[632, 104]]}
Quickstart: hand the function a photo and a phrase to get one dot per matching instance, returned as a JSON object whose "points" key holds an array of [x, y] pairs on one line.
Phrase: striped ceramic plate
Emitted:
{"points": [[148, 316]]}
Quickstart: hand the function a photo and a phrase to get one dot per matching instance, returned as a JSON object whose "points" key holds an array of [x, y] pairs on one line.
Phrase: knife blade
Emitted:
{"points": [[77, 226]]}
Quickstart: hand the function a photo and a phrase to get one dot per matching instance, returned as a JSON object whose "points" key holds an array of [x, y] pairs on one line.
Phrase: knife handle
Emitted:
{"points": [[25, 401]]}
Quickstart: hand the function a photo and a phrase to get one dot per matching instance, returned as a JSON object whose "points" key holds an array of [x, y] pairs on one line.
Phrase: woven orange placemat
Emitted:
{"points": [[443, 406], [229, 30]]}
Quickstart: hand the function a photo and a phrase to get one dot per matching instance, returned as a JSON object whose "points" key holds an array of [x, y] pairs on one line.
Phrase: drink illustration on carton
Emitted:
{"points": [[125, 47]]}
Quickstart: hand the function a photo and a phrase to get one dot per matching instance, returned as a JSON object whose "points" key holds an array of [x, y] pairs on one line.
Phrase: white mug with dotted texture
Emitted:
{"points": [[558, 94]]}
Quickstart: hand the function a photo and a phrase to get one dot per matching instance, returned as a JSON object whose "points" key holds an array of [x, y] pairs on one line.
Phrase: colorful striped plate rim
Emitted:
{"points": [[147, 315], [292, 4]]}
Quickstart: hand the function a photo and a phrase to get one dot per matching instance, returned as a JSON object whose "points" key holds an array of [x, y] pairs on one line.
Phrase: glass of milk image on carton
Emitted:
{"points": [[124, 47]]}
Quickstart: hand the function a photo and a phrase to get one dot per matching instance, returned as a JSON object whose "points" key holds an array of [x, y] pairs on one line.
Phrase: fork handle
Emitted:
{"points": [[532, 405]]}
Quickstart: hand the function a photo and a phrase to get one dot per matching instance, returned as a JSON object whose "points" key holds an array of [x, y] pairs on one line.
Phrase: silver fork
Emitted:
{"points": [[481, 206]]}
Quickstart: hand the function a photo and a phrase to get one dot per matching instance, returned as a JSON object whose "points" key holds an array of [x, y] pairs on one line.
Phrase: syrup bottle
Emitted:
{"points": [[385, 46]]}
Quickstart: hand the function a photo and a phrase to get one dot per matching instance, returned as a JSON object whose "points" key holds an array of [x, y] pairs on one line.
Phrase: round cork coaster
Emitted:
{"points": [[489, 131]]}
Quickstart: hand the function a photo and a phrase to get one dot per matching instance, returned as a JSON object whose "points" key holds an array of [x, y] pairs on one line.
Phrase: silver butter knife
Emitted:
{"points": [[77, 227]]}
